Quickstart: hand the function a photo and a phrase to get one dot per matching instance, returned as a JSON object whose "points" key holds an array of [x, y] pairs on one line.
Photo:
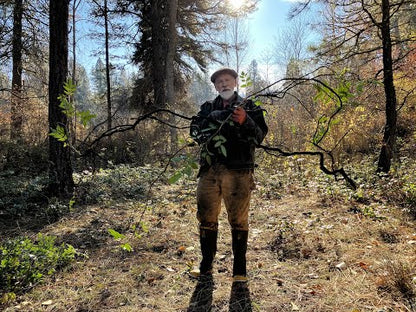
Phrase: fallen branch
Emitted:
{"points": [[322, 166]]}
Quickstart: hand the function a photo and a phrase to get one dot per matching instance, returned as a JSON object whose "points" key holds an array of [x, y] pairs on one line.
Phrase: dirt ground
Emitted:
{"points": [[308, 251]]}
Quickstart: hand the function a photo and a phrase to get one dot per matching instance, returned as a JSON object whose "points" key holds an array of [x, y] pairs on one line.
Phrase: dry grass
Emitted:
{"points": [[299, 238]]}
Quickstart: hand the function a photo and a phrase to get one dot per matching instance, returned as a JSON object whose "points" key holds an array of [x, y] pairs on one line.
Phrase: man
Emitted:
{"points": [[227, 129]]}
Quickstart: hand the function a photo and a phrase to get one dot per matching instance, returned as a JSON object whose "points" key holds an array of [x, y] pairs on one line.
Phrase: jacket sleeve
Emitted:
{"points": [[199, 124]]}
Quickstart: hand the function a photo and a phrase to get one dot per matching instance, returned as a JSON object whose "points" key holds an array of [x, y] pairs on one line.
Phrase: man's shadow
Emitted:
{"points": [[201, 299], [240, 298]]}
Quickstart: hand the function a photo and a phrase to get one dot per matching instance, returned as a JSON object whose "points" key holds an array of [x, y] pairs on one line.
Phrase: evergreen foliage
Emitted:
{"points": [[25, 263]]}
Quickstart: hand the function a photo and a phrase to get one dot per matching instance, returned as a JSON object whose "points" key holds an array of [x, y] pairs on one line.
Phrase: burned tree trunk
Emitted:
{"points": [[61, 182], [390, 130]]}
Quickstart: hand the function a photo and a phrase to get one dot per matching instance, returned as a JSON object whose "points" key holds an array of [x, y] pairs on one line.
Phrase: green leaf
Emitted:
{"points": [[208, 159], [219, 138], [144, 226], [86, 117], [126, 247], [188, 171], [116, 234], [223, 150], [59, 133], [69, 87], [258, 103], [71, 203], [173, 179]]}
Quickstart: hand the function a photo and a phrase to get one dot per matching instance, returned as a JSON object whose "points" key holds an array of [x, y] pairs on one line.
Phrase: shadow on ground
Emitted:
{"points": [[201, 300], [240, 298]]}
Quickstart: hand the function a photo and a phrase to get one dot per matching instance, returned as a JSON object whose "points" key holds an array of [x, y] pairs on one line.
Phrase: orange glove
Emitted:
{"points": [[239, 115]]}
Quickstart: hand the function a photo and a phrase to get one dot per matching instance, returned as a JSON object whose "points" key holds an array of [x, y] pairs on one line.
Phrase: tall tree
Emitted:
{"points": [[291, 45], [158, 13], [257, 83], [390, 129], [16, 97], [236, 41], [102, 11], [61, 182], [107, 64], [362, 34], [234, 35], [74, 8], [98, 77], [23, 48], [196, 22], [267, 60], [170, 66], [6, 31]]}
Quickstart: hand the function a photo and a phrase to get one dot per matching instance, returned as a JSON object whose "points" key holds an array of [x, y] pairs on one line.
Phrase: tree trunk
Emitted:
{"points": [[159, 52], [107, 66], [390, 130], [16, 96], [170, 69], [61, 182], [75, 5]]}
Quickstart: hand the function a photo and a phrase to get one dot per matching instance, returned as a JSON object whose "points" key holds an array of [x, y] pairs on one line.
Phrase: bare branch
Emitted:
{"points": [[127, 127], [322, 166]]}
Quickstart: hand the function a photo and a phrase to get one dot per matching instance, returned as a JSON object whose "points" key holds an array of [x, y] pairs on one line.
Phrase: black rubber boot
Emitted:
{"points": [[208, 240], [239, 250]]}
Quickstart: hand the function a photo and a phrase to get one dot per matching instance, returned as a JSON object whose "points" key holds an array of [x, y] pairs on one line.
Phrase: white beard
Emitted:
{"points": [[226, 94]]}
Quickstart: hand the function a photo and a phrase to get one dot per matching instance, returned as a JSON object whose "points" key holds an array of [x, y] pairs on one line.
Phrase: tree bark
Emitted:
{"points": [[16, 96], [170, 68], [390, 131], [158, 8], [75, 5], [107, 66], [61, 182]]}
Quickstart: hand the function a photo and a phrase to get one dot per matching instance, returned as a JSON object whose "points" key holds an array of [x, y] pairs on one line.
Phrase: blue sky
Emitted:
{"points": [[265, 22], [272, 17]]}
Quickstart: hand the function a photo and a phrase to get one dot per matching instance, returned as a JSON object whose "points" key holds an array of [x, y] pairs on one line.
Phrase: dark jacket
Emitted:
{"points": [[227, 142]]}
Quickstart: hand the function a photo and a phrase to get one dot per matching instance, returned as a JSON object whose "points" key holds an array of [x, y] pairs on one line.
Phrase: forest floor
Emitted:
{"points": [[314, 245]]}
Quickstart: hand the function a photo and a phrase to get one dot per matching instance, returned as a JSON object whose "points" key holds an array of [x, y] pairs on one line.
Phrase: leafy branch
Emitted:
{"points": [[61, 132]]}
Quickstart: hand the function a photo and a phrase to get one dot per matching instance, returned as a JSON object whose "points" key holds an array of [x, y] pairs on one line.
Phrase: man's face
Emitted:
{"points": [[225, 82]]}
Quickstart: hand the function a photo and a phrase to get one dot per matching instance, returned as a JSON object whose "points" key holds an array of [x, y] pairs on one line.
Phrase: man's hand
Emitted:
{"points": [[239, 115]]}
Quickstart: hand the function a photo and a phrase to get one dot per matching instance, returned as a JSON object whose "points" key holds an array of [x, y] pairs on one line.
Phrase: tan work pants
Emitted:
{"points": [[234, 187]]}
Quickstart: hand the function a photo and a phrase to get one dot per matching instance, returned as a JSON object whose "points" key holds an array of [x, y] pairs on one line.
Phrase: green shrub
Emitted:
{"points": [[20, 194], [24, 263], [122, 182]]}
